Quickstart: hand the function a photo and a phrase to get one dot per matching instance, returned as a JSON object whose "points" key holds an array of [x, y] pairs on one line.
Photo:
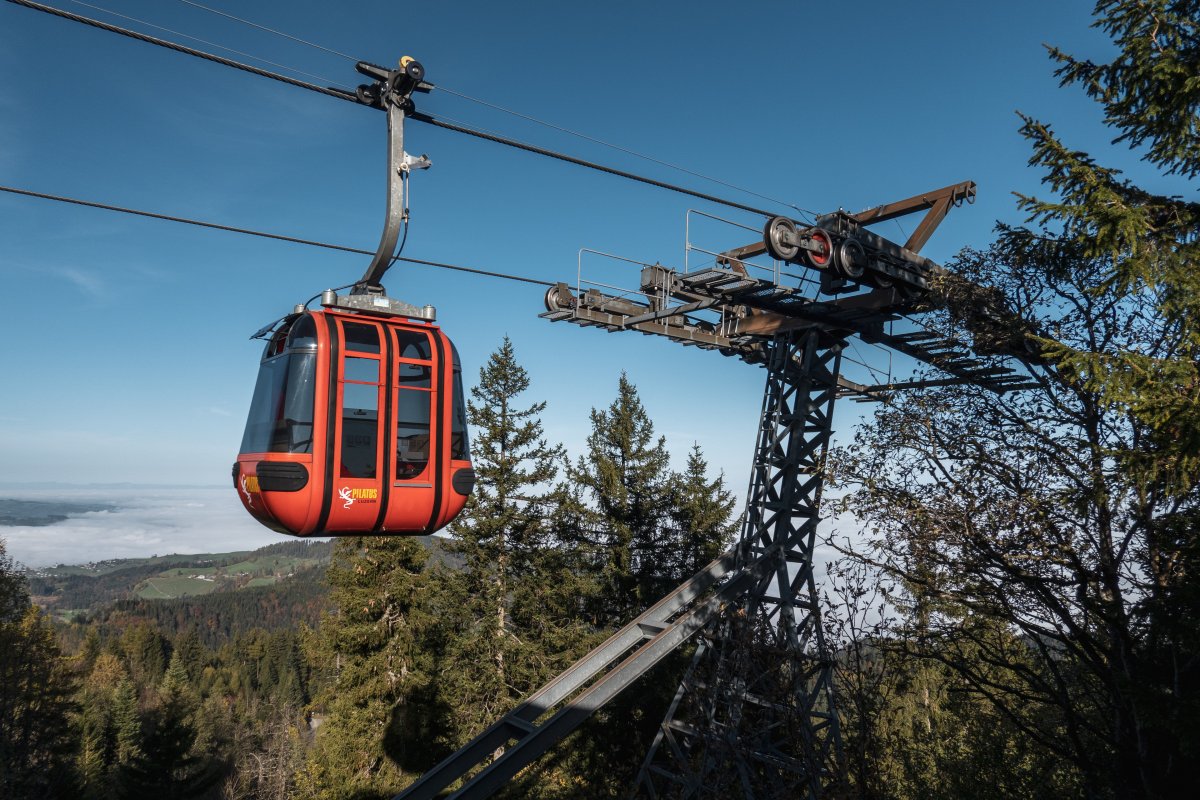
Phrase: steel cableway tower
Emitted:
{"points": [[755, 715]]}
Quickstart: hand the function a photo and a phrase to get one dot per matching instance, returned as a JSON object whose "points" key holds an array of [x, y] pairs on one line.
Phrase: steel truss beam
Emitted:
{"points": [[767, 577], [754, 717], [564, 703]]}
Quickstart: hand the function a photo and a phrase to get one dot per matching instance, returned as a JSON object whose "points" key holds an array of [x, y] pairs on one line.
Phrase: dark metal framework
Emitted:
{"points": [[755, 715]]}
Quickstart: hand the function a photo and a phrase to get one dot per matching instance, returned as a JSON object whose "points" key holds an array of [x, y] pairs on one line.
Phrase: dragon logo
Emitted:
{"points": [[344, 493], [249, 485]]}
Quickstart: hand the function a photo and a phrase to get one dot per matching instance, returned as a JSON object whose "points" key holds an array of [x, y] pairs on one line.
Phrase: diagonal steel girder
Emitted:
{"points": [[754, 715], [559, 707], [766, 580]]}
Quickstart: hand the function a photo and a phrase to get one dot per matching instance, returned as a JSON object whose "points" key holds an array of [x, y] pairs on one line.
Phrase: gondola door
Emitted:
{"points": [[418, 478], [358, 452]]}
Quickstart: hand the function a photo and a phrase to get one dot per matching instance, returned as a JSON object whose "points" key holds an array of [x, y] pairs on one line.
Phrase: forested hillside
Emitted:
{"points": [[67, 589]]}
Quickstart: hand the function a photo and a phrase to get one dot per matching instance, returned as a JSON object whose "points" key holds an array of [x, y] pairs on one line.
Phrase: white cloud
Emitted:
{"points": [[146, 522], [87, 282]]}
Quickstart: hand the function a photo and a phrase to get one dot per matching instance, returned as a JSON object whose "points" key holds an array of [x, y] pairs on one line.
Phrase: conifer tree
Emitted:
{"points": [[191, 653], [14, 591], [1069, 513], [170, 764], [647, 529], [107, 727], [147, 653], [88, 652], [126, 723], [1141, 242], [510, 608], [376, 704], [36, 746], [700, 516], [625, 471], [1109, 245]]}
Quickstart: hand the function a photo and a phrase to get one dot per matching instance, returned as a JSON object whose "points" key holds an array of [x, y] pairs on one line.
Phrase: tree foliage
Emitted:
{"points": [[647, 527], [509, 613], [171, 762], [379, 673], [1141, 242], [36, 704], [644, 529], [625, 471], [36, 697], [1015, 513], [233, 695], [1043, 543]]}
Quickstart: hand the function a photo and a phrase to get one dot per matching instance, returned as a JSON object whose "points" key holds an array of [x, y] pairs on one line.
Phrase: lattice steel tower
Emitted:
{"points": [[754, 716]]}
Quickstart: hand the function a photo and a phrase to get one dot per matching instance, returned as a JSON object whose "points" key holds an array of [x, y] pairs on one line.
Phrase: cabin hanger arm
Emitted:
{"points": [[391, 92]]}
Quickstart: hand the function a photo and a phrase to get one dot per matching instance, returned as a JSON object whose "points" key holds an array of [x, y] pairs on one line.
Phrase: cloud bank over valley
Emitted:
{"points": [[124, 522]]}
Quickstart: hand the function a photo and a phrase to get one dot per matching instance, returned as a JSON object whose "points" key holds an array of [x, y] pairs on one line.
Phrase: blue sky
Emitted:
{"points": [[126, 355]]}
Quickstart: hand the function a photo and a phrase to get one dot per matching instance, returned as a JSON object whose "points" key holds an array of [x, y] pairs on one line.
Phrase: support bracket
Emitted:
{"points": [[391, 92]]}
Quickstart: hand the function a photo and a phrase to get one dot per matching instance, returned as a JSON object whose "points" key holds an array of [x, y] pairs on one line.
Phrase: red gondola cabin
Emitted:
{"points": [[357, 426]]}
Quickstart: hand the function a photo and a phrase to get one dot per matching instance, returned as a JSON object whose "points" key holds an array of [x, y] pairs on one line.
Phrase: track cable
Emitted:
{"points": [[441, 87], [265, 235], [340, 94], [253, 24], [250, 56], [350, 96]]}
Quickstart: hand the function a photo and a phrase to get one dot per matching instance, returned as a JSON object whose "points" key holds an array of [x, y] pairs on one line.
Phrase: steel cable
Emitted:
{"points": [[529, 118], [345, 94], [418, 116], [340, 94], [265, 235]]}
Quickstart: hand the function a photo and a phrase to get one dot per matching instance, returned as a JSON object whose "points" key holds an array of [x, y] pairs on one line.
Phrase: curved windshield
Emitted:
{"points": [[459, 448], [281, 413]]}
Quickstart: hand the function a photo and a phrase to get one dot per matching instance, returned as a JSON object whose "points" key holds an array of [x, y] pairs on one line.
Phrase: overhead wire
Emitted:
{"points": [[252, 24], [340, 94], [345, 94], [543, 151], [520, 115], [266, 235], [529, 118], [251, 56], [443, 88]]}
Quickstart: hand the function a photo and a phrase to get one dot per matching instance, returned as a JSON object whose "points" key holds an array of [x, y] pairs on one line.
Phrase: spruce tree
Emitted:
{"points": [[376, 703], [147, 652], [14, 589], [700, 516], [170, 763], [509, 613], [126, 723], [1134, 254], [1142, 242], [107, 727], [633, 530], [36, 745], [190, 652], [625, 471]]}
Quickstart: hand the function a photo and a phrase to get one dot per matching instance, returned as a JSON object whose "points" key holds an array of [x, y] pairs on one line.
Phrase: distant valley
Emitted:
{"points": [[35, 513], [66, 590]]}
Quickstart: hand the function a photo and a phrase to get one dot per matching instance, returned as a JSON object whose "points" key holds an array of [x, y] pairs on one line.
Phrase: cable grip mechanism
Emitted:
{"points": [[391, 92]]}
